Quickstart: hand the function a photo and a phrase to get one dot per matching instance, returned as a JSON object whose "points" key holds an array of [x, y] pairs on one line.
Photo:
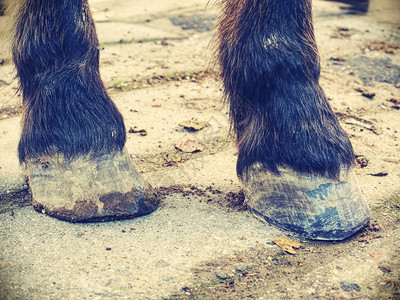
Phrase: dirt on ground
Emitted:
{"points": [[157, 64]]}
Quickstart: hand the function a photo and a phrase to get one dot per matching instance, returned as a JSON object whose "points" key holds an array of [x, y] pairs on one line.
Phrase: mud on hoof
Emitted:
{"points": [[311, 206], [88, 190]]}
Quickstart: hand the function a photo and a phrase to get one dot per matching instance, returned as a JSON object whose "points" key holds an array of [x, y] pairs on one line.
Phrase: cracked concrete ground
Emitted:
{"points": [[156, 61]]}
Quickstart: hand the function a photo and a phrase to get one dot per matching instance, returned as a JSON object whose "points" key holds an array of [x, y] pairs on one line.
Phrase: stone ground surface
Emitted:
{"points": [[156, 61]]}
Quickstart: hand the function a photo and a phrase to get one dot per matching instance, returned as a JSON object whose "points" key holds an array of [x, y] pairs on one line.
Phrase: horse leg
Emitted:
{"points": [[295, 161], [73, 137]]}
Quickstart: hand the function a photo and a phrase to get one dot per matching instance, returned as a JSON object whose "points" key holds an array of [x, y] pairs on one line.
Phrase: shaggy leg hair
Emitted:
{"points": [[270, 67], [72, 143], [66, 107]]}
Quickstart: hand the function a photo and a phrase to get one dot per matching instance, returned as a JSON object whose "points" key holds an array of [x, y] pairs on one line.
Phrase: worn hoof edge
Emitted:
{"points": [[88, 189], [311, 206]]}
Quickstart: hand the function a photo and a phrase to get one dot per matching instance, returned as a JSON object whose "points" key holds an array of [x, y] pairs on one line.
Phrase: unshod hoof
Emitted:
{"points": [[312, 206], [89, 189]]}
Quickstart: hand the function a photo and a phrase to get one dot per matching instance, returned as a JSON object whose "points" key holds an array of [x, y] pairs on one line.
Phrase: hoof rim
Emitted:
{"points": [[88, 189], [311, 206]]}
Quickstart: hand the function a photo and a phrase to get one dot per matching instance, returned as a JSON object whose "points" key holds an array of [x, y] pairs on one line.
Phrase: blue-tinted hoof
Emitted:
{"points": [[314, 207]]}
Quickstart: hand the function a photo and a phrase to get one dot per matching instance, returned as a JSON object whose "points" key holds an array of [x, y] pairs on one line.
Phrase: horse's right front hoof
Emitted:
{"points": [[312, 206], [89, 189]]}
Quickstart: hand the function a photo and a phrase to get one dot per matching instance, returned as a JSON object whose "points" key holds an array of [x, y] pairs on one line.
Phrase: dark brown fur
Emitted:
{"points": [[270, 68], [66, 107]]}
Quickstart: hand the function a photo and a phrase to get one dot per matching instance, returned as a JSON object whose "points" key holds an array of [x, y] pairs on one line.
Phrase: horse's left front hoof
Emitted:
{"points": [[314, 207]]}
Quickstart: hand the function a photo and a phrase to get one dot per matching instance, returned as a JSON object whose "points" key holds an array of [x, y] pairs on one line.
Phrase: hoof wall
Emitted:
{"points": [[89, 190], [314, 207]]}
